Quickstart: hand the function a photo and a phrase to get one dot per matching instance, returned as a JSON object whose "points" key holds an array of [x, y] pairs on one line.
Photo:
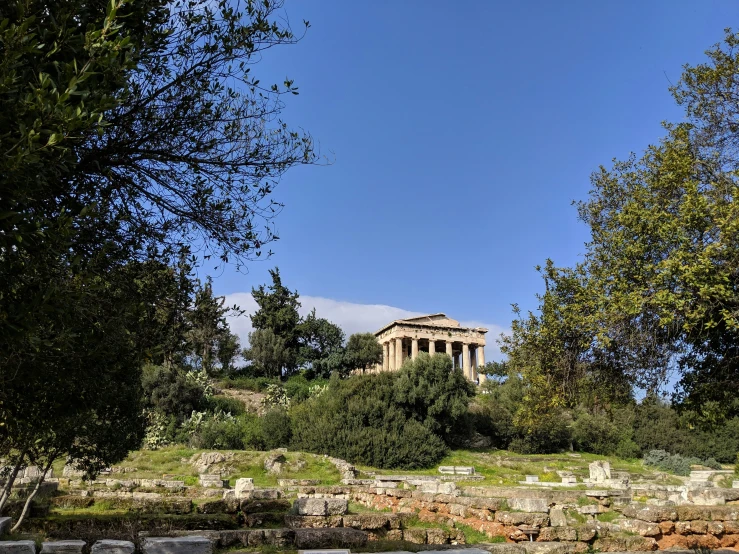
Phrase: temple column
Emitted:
{"points": [[449, 350], [466, 361], [391, 356], [398, 353], [385, 356], [481, 363], [414, 349], [432, 347]]}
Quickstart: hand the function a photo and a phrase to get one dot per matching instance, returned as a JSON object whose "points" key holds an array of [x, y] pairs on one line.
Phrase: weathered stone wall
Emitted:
{"points": [[633, 526]]}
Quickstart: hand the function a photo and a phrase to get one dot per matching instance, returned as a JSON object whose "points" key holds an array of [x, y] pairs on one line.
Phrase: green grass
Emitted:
{"points": [[414, 522], [174, 461], [586, 501], [503, 468], [577, 516], [608, 517]]}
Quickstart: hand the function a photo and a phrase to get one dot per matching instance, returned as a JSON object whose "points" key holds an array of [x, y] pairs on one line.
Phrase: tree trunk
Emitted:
{"points": [[5, 495], [31, 496]]}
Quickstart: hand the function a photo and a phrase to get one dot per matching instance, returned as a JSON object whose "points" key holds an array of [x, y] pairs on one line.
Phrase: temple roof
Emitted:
{"points": [[429, 320], [437, 320]]}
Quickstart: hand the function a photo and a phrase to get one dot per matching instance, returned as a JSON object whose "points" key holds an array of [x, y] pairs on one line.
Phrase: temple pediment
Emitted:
{"points": [[439, 320]]}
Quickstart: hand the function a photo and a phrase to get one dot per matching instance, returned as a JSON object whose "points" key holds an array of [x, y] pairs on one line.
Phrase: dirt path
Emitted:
{"points": [[252, 400]]}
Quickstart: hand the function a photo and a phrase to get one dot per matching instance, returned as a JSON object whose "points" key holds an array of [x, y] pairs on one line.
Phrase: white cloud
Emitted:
{"points": [[351, 317]]}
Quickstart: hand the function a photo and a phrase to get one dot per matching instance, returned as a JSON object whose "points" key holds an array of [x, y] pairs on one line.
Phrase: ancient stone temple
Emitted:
{"points": [[434, 333]]}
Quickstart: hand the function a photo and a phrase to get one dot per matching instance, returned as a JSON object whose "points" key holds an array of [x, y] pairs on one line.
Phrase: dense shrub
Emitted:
{"points": [[169, 391], [221, 434], [276, 428], [673, 463], [554, 434], [226, 405], [252, 429], [596, 433], [387, 420]]}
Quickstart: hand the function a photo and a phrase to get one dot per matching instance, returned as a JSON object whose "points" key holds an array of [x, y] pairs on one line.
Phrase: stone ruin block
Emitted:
{"points": [[589, 509], [108, 546], [735, 484], [529, 504], [464, 470], [62, 547], [244, 485], [17, 547], [447, 470], [600, 471], [211, 481], [532, 479], [436, 487], [177, 545], [321, 506], [386, 484], [569, 480], [326, 551]]}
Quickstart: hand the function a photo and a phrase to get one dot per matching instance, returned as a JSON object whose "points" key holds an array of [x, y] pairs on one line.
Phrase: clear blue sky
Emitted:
{"points": [[460, 133]]}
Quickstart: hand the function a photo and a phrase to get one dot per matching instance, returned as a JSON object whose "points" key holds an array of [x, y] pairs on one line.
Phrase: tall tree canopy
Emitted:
{"points": [[658, 292], [130, 131]]}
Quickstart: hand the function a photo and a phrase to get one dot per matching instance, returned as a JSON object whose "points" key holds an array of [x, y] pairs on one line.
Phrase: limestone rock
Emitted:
{"points": [[274, 462], [321, 506], [653, 514], [436, 536], [643, 528], [415, 535], [312, 522], [243, 485], [177, 545], [113, 547], [336, 506], [310, 507], [204, 461], [212, 480], [625, 544], [256, 505], [557, 517], [279, 537], [529, 504], [522, 518], [600, 471], [62, 547], [366, 522], [17, 547], [322, 538]]}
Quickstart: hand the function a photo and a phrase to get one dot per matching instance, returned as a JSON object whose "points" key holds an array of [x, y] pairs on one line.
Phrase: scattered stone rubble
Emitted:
{"points": [[302, 514]]}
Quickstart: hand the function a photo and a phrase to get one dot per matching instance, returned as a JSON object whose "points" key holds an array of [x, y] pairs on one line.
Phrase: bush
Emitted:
{"points": [[252, 429], [596, 433], [387, 420], [219, 434], [712, 463], [552, 435], [170, 392], [673, 463], [276, 428], [226, 405]]}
